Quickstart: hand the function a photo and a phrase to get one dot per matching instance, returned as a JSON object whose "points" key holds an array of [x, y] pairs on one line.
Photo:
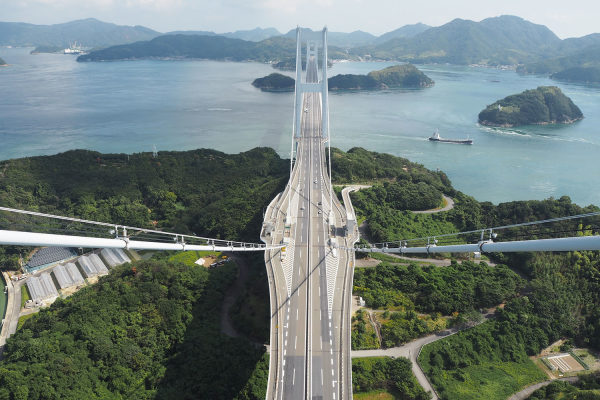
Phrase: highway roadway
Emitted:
{"points": [[311, 284]]}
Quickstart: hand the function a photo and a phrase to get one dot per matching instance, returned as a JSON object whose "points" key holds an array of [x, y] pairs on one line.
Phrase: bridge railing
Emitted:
{"points": [[570, 233], [31, 228]]}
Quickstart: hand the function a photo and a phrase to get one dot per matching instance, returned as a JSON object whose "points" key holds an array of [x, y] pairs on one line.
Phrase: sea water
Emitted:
{"points": [[50, 103]]}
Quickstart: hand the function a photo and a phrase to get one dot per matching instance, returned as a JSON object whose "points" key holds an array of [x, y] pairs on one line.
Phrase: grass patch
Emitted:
{"points": [[395, 260], [23, 319], [24, 295], [385, 378], [380, 394], [364, 336], [488, 380], [189, 257]]}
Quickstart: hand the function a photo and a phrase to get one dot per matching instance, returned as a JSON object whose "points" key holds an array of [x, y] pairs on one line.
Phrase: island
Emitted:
{"points": [[48, 49], [396, 76], [544, 105], [578, 74], [2, 62], [275, 82]]}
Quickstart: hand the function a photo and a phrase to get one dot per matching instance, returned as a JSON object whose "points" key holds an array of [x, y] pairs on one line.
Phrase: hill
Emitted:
{"points": [[396, 76], [214, 47], [275, 83], [404, 31], [337, 39], [587, 57], [253, 35], [200, 47], [2, 62], [544, 105], [88, 32], [578, 74], [494, 41]]}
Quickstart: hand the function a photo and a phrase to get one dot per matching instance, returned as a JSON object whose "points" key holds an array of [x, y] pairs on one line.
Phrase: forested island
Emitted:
{"points": [[396, 76], [47, 49], [152, 331], [183, 46], [2, 62], [544, 105], [275, 82]]}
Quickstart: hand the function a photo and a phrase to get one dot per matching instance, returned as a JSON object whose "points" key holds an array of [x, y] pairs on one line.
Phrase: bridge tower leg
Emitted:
{"points": [[297, 99], [325, 109]]}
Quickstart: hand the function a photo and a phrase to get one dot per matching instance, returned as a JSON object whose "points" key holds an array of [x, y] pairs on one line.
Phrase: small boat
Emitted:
{"points": [[437, 138]]}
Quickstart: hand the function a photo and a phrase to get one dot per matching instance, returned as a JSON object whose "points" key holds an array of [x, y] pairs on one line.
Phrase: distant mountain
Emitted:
{"points": [[578, 74], [204, 47], [587, 57], [498, 40], [2, 62], [338, 39], [405, 31], [88, 32], [253, 35]]}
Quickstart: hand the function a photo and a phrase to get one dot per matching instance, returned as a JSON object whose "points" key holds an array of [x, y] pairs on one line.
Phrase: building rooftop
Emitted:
{"points": [[49, 255], [67, 275], [42, 287]]}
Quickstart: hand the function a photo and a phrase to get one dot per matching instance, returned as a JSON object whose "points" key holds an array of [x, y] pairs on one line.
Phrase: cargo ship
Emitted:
{"points": [[437, 138]]}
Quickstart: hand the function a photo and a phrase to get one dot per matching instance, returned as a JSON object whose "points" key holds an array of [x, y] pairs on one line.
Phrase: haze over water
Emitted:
{"points": [[50, 103]]}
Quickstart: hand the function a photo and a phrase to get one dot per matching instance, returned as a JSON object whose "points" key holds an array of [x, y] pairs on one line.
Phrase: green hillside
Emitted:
{"points": [[499, 40], [578, 74], [587, 57], [203, 47], [544, 105]]}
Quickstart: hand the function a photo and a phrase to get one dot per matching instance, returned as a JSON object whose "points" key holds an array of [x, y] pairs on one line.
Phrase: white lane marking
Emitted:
{"points": [[321, 342], [321, 376], [332, 364], [294, 377], [296, 314], [295, 342], [319, 291], [285, 342], [319, 314]]}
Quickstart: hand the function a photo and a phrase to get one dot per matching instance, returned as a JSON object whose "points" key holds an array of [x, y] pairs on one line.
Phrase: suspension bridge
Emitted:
{"points": [[309, 242]]}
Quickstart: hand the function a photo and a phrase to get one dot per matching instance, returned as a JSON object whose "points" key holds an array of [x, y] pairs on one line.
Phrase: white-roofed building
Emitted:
{"points": [[92, 266], [121, 255], [98, 264], [67, 276], [110, 258], [42, 287], [87, 267]]}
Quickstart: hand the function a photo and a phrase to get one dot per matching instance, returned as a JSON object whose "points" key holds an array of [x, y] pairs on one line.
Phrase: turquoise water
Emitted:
{"points": [[50, 103]]}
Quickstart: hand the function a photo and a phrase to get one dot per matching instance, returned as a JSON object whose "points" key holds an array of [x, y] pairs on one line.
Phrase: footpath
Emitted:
{"points": [[411, 350]]}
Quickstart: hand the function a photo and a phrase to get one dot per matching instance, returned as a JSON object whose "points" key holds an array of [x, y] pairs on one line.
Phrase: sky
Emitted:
{"points": [[572, 18]]}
